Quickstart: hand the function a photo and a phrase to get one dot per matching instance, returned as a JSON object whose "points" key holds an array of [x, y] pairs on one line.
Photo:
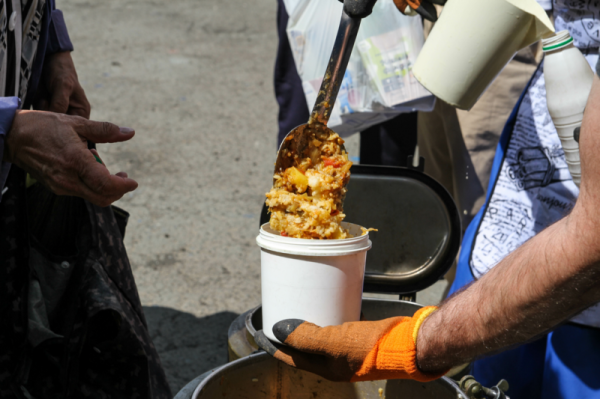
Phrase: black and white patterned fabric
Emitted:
{"points": [[29, 15], [3, 44], [32, 13]]}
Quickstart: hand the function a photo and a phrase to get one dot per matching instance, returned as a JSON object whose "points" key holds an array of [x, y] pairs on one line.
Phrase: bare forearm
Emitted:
{"points": [[549, 279], [553, 276]]}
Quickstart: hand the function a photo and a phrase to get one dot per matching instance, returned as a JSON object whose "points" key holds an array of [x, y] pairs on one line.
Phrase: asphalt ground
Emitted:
{"points": [[194, 79]]}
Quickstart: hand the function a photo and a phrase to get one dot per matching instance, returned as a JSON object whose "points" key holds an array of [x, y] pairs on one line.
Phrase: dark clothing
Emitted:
{"points": [[71, 321], [54, 38], [388, 143], [391, 142], [293, 110], [44, 34]]}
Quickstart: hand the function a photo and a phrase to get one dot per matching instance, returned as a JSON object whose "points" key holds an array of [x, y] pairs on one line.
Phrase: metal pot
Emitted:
{"points": [[241, 332], [260, 376]]}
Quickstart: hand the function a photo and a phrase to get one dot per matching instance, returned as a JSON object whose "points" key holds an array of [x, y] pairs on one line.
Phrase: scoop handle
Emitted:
{"points": [[358, 8], [334, 74]]}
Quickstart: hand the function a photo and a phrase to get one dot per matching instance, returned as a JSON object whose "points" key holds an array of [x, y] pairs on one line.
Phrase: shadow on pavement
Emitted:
{"points": [[188, 345]]}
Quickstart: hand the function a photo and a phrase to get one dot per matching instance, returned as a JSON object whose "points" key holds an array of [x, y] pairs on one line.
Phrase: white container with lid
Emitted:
{"points": [[568, 78], [320, 281]]}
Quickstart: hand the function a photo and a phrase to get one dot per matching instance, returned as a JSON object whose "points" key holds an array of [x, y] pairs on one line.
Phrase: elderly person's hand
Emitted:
{"points": [[357, 351], [60, 91], [53, 149]]}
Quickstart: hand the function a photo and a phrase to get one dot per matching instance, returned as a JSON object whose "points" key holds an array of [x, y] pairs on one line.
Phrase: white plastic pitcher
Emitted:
{"points": [[472, 41], [320, 281]]}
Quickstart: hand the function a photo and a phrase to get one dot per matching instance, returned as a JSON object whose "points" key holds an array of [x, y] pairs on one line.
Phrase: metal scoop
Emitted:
{"points": [[296, 141]]}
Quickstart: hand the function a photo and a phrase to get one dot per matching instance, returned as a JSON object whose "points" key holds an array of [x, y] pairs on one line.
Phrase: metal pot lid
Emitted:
{"points": [[419, 227]]}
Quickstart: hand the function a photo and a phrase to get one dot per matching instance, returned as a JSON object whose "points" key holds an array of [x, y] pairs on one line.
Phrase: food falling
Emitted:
{"points": [[306, 200]]}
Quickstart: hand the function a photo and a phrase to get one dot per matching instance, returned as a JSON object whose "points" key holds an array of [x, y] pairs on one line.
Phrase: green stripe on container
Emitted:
{"points": [[561, 44]]}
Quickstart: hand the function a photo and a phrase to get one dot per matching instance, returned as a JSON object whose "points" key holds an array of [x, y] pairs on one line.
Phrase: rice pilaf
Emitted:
{"points": [[306, 200]]}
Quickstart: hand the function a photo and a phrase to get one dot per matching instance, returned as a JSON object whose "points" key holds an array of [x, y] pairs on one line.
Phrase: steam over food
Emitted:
{"points": [[306, 200]]}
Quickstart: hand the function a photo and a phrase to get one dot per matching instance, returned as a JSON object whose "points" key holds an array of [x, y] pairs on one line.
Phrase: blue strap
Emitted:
{"points": [[464, 275]]}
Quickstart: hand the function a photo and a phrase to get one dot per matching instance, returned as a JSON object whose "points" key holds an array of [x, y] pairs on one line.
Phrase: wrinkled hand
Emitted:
{"points": [[60, 90], [357, 351], [425, 8], [53, 149]]}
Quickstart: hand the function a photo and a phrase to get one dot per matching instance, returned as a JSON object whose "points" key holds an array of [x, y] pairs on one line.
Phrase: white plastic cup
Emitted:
{"points": [[320, 281], [472, 41]]}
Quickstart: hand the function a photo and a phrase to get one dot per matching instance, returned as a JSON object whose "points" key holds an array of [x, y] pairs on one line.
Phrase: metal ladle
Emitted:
{"points": [[296, 141]]}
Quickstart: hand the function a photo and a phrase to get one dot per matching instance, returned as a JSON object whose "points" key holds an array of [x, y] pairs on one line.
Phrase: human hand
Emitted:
{"points": [[357, 351], [60, 90], [53, 149], [425, 8]]}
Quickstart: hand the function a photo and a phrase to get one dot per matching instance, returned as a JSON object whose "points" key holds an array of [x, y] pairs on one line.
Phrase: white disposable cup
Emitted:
{"points": [[320, 281], [472, 41]]}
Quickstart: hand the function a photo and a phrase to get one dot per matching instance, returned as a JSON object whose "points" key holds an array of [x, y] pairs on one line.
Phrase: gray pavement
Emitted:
{"points": [[194, 78]]}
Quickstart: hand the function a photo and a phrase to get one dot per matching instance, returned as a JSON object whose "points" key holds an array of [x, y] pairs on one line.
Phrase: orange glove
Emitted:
{"points": [[424, 7], [357, 351]]}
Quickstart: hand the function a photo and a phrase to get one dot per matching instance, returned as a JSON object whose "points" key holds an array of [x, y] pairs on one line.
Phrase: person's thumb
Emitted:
{"points": [[104, 132]]}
